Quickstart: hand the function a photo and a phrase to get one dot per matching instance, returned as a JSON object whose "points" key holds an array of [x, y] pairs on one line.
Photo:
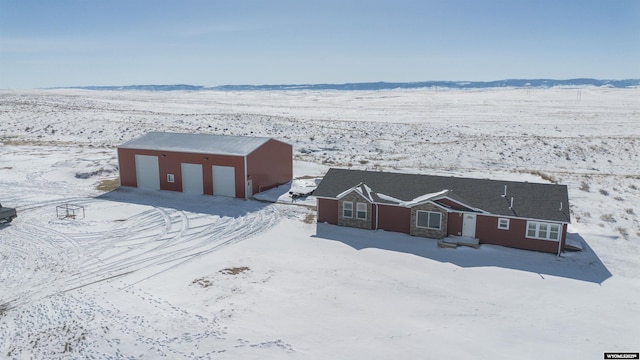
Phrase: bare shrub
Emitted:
{"points": [[623, 232], [619, 198], [584, 186], [202, 282], [234, 270], [604, 192], [544, 176], [3, 308], [633, 187], [629, 211], [309, 218], [608, 218]]}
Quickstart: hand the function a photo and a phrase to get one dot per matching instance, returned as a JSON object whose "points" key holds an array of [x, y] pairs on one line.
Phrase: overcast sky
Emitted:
{"points": [[213, 42]]}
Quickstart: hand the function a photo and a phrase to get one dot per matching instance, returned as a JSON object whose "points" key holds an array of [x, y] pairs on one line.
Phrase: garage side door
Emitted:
{"points": [[147, 172], [192, 178], [224, 180]]}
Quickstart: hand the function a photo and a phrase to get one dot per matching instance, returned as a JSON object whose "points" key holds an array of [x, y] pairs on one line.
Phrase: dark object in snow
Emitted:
{"points": [[69, 211], [297, 195], [7, 214]]}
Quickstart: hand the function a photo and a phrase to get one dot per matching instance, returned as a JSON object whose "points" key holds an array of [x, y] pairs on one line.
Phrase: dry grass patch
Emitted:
{"points": [[202, 282], [309, 219], [234, 270], [584, 186], [543, 175], [608, 218], [3, 308], [306, 177], [108, 184], [623, 231]]}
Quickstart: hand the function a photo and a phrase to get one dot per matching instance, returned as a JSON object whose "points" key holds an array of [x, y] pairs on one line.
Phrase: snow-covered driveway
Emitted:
{"points": [[122, 233]]}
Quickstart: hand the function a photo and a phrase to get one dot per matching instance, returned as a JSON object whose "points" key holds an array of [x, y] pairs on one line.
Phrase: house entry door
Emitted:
{"points": [[469, 225]]}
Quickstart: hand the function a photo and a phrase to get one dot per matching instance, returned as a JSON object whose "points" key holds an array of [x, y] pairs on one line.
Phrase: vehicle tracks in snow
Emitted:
{"points": [[42, 255]]}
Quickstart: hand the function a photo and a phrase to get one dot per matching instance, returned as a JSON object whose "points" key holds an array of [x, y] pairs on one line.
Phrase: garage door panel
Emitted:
{"points": [[147, 172], [224, 180], [192, 180]]}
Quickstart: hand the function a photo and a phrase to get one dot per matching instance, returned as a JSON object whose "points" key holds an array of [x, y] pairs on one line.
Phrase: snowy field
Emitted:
{"points": [[143, 274]]}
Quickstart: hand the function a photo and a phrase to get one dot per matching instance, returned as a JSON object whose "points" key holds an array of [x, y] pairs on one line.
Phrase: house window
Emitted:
{"points": [[503, 224], [428, 219], [544, 231], [171, 178], [361, 211], [347, 209]]}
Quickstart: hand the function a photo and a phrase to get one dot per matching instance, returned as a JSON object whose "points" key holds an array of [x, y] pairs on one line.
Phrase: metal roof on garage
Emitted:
{"points": [[196, 143]]}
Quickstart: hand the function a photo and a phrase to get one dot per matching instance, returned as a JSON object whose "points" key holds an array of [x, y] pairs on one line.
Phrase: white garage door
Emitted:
{"points": [[224, 181], [147, 172], [192, 178]]}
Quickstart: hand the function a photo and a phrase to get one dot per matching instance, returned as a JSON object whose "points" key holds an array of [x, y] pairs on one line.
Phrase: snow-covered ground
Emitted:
{"points": [[167, 275]]}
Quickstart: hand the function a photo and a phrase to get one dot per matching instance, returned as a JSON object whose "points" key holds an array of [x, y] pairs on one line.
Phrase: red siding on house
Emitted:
{"points": [[170, 163], [488, 233], [327, 211], [394, 218], [270, 165]]}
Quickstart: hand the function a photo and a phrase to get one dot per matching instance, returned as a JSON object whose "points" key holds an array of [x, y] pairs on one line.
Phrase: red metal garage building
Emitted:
{"points": [[237, 166]]}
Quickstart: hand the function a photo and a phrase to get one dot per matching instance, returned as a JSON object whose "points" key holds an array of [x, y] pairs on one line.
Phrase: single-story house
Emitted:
{"points": [[522, 215], [236, 166]]}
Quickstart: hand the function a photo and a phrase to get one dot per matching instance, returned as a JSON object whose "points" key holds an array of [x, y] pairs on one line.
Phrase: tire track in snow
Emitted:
{"points": [[43, 255]]}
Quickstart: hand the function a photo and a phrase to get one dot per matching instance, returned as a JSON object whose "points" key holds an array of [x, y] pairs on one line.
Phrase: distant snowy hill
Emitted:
{"points": [[514, 83]]}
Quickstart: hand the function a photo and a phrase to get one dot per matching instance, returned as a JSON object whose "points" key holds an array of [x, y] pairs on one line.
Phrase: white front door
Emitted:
{"points": [[192, 181], [469, 225], [147, 172], [224, 180]]}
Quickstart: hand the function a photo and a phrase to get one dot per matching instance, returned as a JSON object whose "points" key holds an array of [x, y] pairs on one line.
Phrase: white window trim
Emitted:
{"points": [[344, 203], [503, 227], [429, 220], [171, 178], [361, 207], [548, 232]]}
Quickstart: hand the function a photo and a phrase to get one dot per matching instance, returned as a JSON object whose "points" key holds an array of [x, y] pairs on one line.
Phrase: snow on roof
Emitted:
{"points": [[362, 189], [196, 143], [415, 201]]}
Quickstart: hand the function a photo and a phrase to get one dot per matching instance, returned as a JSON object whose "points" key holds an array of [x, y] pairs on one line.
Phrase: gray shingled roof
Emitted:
{"points": [[197, 143], [531, 200]]}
